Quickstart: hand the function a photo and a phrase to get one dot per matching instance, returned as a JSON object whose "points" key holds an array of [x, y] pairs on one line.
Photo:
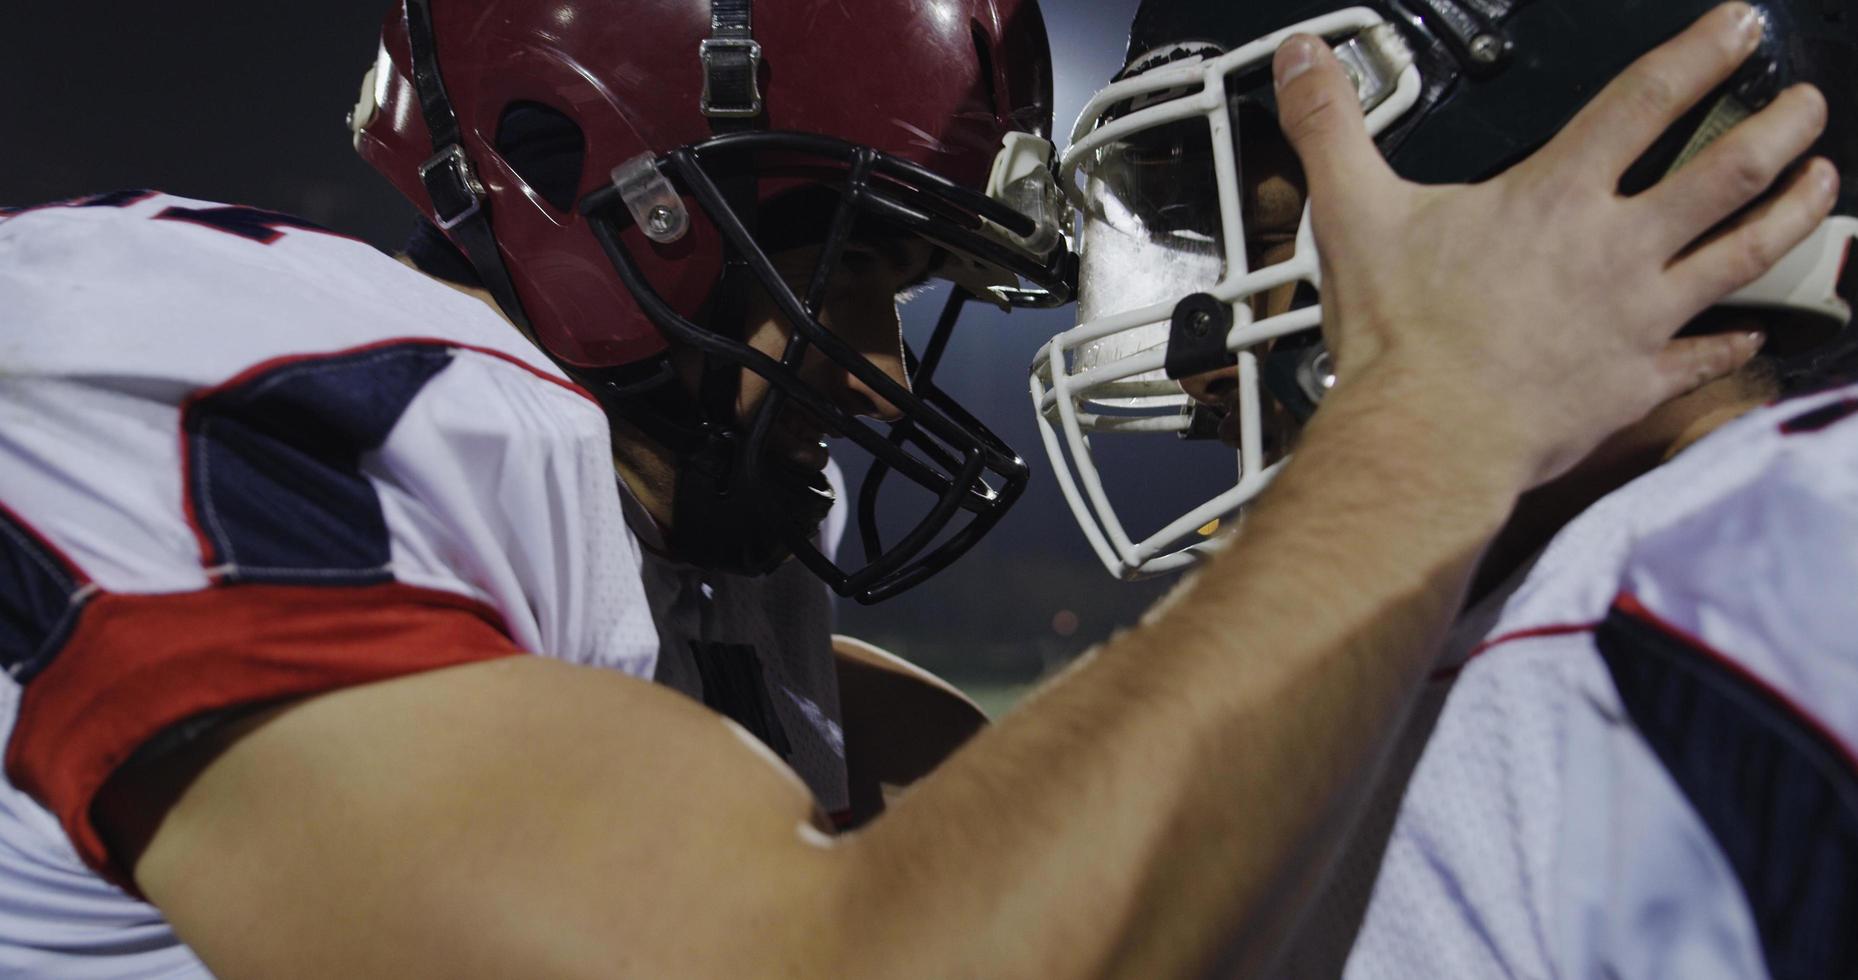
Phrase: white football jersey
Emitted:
{"points": [[244, 459], [1647, 768]]}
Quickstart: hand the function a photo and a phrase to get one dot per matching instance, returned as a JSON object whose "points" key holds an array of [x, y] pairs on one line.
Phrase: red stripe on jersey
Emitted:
{"points": [[1563, 629], [137, 665], [1533, 632], [525, 365]]}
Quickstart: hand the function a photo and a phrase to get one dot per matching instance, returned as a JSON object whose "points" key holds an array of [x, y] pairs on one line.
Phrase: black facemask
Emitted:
{"points": [[743, 526], [740, 506]]}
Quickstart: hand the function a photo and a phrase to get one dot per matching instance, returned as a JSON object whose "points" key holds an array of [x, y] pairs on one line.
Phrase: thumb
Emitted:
{"points": [[1320, 113]]}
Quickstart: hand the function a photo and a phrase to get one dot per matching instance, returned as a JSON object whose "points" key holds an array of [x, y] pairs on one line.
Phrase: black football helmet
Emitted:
{"points": [[1454, 91]]}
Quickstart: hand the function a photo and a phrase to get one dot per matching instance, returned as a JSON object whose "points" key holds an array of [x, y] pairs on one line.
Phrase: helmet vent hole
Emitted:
{"points": [[983, 50], [546, 149]]}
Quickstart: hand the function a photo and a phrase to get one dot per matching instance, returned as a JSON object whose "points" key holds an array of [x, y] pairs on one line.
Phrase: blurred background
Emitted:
{"points": [[245, 103]]}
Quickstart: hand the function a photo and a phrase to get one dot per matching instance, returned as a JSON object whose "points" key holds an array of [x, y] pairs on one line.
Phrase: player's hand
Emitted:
{"points": [[1535, 311]]}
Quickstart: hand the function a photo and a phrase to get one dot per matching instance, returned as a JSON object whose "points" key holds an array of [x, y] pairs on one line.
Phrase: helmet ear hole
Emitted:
{"points": [[546, 149]]}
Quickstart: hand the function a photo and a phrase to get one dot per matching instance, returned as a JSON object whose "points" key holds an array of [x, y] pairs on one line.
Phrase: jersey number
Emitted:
{"points": [[251, 224]]}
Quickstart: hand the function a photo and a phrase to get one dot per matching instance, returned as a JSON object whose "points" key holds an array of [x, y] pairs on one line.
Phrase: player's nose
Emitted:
{"points": [[867, 400], [868, 321]]}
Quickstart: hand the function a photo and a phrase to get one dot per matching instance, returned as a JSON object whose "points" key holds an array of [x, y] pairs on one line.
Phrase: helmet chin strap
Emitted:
{"points": [[460, 205], [736, 509], [730, 512], [725, 515], [725, 523]]}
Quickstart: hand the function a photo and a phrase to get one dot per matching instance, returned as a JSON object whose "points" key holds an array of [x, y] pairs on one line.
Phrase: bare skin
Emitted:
{"points": [[1158, 810], [1630, 453], [860, 307], [900, 721], [1635, 450], [1274, 193]]}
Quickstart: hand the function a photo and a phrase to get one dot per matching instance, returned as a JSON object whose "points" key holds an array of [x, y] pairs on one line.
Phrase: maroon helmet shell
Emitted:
{"points": [[936, 83]]}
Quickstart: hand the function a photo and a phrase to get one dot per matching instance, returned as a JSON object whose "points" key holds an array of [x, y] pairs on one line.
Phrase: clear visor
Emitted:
{"points": [[1165, 214], [1147, 236]]}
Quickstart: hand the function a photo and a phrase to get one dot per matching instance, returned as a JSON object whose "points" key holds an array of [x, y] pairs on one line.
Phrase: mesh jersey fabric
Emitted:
{"points": [[1539, 834], [210, 412]]}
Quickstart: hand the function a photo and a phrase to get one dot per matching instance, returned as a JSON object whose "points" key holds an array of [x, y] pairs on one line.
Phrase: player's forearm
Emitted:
{"points": [[1187, 780]]}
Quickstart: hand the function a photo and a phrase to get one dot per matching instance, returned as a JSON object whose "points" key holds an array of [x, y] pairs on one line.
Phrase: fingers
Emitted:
{"points": [[1747, 250], [1320, 113], [1623, 121], [1737, 168], [1693, 362]]}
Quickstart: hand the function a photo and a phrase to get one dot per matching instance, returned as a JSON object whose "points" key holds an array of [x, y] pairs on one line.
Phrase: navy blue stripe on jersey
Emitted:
{"points": [[1823, 417], [1778, 793], [274, 480], [40, 597]]}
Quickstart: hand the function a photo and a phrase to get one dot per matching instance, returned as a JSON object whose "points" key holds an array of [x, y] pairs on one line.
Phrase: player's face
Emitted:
{"points": [[860, 309], [1272, 200]]}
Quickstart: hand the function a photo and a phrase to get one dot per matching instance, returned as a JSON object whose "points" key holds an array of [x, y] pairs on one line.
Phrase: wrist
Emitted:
{"points": [[1408, 428]]}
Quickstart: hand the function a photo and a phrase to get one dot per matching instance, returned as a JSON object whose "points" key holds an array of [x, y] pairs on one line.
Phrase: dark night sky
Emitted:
{"points": [[245, 103]]}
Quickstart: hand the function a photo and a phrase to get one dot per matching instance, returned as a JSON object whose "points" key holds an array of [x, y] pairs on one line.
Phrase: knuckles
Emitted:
{"points": [[1809, 103], [1747, 173], [1647, 94], [1755, 253]]}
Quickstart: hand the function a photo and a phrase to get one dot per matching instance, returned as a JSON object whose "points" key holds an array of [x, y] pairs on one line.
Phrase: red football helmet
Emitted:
{"points": [[696, 124]]}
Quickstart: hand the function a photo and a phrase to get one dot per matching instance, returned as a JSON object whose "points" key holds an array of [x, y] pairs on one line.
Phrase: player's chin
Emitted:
{"points": [[806, 496], [812, 456], [798, 441]]}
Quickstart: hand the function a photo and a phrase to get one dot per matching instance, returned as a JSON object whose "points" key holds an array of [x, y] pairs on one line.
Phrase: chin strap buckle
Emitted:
{"points": [[457, 195], [731, 63]]}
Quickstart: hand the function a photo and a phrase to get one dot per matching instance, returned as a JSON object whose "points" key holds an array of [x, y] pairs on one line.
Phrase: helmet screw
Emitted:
{"points": [[1201, 324], [661, 220], [1354, 75], [1486, 49]]}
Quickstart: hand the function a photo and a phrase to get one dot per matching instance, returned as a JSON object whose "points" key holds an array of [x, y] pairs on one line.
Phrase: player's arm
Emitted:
{"points": [[900, 722], [521, 817], [527, 818], [1169, 797]]}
